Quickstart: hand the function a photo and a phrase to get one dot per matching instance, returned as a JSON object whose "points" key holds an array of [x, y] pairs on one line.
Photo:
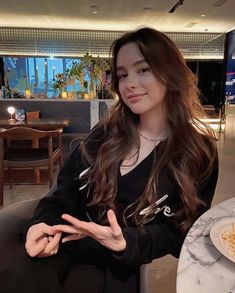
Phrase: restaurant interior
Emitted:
{"points": [[46, 49]]}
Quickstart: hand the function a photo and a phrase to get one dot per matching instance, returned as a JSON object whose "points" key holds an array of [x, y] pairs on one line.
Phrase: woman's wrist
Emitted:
{"points": [[122, 246]]}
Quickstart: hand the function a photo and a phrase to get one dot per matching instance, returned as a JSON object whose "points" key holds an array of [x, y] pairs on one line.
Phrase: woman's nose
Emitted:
{"points": [[131, 81]]}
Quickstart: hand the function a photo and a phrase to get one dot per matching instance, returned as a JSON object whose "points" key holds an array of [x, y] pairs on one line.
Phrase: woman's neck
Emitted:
{"points": [[153, 126]]}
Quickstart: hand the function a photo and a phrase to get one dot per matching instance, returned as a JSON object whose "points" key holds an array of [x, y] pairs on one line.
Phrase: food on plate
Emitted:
{"points": [[228, 238]]}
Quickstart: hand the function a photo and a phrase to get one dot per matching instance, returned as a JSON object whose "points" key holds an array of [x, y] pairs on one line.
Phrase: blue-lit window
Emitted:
{"points": [[37, 75]]}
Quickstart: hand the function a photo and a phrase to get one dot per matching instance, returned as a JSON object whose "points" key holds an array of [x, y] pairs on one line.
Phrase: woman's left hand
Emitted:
{"points": [[109, 236]]}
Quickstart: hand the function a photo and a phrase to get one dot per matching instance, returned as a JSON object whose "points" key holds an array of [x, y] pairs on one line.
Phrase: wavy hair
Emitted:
{"points": [[189, 151]]}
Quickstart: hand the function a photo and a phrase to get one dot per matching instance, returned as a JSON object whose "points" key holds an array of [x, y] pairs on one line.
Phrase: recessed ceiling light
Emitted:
{"points": [[147, 9], [94, 9]]}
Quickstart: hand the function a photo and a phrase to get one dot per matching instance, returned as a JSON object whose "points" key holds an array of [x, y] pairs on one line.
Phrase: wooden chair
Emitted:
{"points": [[24, 157], [33, 115]]}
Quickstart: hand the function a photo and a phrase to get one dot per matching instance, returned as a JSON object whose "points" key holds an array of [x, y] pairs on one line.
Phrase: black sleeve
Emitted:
{"points": [[64, 199], [156, 240]]}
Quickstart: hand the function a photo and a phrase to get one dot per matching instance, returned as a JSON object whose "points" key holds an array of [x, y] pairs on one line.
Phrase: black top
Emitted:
{"points": [[159, 237]]}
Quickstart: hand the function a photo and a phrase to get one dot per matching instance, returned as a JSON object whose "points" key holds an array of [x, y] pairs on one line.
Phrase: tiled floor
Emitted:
{"points": [[163, 271]]}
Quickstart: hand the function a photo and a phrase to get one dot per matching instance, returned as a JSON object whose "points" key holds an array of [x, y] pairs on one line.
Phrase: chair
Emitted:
{"points": [[24, 157], [33, 115], [12, 220]]}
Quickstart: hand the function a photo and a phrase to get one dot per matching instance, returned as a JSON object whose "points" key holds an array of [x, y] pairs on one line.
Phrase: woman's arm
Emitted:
{"points": [[64, 199]]}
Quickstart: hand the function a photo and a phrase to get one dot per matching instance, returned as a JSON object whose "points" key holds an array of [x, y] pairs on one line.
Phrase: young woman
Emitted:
{"points": [[132, 189]]}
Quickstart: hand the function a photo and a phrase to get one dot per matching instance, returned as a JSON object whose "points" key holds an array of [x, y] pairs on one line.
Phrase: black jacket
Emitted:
{"points": [[159, 237]]}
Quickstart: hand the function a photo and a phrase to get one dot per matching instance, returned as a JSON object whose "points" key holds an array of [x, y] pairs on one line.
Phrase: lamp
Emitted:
{"points": [[86, 96], [11, 111], [27, 93], [64, 95]]}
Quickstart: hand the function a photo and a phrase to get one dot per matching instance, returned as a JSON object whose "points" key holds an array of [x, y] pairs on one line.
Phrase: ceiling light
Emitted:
{"points": [[94, 9], [147, 9], [203, 15]]}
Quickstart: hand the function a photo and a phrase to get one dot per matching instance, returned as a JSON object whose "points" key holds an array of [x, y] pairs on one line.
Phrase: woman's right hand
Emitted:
{"points": [[42, 240]]}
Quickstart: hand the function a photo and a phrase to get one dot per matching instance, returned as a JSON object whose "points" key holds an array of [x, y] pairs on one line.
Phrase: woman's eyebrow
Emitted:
{"points": [[120, 68], [138, 62]]}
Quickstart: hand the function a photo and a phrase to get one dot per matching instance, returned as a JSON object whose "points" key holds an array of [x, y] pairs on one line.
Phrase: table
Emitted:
{"points": [[42, 123], [202, 268]]}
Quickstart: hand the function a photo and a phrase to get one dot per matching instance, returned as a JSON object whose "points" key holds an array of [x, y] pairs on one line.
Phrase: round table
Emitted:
{"points": [[202, 268]]}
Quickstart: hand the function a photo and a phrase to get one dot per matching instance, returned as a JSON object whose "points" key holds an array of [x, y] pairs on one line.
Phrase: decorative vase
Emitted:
{"points": [[60, 91], [92, 89]]}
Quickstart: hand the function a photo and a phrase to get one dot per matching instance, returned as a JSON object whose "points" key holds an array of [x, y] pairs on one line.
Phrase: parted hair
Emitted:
{"points": [[189, 151]]}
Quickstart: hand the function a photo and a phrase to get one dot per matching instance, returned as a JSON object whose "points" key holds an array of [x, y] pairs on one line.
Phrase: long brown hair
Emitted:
{"points": [[189, 151]]}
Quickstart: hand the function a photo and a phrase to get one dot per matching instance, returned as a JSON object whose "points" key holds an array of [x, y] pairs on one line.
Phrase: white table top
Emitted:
{"points": [[202, 268]]}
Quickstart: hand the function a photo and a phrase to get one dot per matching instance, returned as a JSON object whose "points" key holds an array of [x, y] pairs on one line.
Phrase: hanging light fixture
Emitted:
{"points": [[94, 9]]}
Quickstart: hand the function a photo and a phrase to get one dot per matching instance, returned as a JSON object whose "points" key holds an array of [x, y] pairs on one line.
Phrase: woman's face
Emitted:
{"points": [[139, 88]]}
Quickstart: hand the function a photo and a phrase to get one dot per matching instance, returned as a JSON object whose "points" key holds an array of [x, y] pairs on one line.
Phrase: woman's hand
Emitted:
{"points": [[42, 240], [109, 236]]}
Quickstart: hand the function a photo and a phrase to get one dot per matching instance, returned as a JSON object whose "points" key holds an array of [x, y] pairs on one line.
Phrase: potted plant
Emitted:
{"points": [[60, 83], [93, 68]]}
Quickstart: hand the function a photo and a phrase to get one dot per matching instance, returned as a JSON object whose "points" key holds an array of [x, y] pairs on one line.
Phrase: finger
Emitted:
{"points": [[113, 223], [52, 245], [37, 248], [89, 228], [47, 229], [50, 238], [73, 237], [53, 252], [41, 229], [75, 222], [66, 229]]}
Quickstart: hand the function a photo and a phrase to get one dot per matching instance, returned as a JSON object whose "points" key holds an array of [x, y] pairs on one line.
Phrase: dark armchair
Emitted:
{"points": [[12, 220]]}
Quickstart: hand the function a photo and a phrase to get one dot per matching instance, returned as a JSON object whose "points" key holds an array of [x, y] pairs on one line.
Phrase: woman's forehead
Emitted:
{"points": [[129, 54]]}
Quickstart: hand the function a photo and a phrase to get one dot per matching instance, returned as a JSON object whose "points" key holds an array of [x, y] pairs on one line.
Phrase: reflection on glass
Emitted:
{"points": [[35, 77]]}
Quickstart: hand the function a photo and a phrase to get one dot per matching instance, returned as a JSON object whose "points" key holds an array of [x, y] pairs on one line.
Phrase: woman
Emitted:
{"points": [[133, 188]]}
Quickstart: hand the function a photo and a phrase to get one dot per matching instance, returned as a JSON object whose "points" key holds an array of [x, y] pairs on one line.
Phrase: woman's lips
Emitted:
{"points": [[134, 97]]}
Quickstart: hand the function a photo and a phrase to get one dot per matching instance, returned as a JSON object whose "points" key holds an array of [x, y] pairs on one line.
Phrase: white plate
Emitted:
{"points": [[223, 225]]}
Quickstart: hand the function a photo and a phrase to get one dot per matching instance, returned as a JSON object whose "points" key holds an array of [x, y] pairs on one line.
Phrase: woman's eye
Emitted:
{"points": [[121, 76], [144, 69]]}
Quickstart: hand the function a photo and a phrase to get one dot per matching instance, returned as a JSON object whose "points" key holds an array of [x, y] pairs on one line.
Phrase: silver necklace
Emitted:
{"points": [[151, 139]]}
